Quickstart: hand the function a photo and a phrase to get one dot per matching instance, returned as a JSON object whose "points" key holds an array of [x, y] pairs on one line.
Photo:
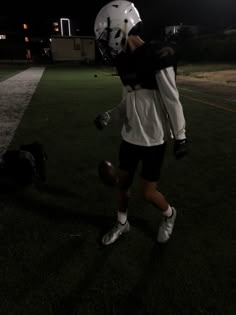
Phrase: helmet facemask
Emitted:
{"points": [[112, 41], [112, 26]]}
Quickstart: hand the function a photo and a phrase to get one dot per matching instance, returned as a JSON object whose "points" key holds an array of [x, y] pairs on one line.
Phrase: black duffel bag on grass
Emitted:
{"points": [[24, 166]]}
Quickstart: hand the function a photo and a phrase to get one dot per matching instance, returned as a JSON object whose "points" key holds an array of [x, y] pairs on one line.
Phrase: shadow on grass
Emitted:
{"points": [[134, 302], [43, 274], [70, 260], [42, 200]]}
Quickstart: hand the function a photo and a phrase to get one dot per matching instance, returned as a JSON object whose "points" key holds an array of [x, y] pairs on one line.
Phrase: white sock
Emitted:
{"points": [[122, 217], [168, 212]]}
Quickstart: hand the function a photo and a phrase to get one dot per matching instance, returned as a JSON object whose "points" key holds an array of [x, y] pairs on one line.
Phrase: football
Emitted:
{"points": [[107, 173]]}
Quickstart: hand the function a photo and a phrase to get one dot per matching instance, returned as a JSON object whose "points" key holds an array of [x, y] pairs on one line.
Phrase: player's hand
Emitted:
{"points": [[101, 120], [180, 148]]}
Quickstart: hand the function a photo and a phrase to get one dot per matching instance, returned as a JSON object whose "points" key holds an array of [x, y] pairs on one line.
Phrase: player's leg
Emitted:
{"points": [[123, 194], [152, 195], [122, 225], [128, 161], [152, 162]]}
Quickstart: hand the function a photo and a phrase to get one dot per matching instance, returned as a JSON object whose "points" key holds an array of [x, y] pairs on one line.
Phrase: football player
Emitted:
{"points": [[150, 108]]}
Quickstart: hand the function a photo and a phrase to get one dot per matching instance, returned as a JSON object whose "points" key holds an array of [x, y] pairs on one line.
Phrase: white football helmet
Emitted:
{"points": [[112, 25]]}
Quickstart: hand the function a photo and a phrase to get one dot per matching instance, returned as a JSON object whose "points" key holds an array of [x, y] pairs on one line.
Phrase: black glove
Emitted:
{"points": [[180, 148], [102, 120]]}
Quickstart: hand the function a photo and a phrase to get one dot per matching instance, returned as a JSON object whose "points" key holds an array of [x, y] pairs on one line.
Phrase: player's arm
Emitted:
{"points": [[115, 113], [118, 112], [171, 102], [162, 55]]}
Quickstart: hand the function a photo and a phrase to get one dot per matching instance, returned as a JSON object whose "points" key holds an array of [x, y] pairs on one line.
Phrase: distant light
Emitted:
{"points": [[62, 24], [26, 39], [25, 26], [2, 36], [56, 27]]}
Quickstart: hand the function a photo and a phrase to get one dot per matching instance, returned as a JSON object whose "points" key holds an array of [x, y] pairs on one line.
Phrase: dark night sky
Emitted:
{"points": [[155, 13]]}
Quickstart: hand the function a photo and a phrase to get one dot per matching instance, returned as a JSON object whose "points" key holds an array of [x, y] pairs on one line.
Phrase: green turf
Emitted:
{"points": [[8, 70], [51, 259], [191, 69]]}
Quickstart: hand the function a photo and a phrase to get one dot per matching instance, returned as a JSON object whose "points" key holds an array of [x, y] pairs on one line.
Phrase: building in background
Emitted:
{"points": [[73, 48], [173, 30], [66, 46], [44, 41]]}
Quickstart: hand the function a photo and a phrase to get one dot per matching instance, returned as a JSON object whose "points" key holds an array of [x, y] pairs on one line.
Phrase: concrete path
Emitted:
{"points": [[15, 95]]}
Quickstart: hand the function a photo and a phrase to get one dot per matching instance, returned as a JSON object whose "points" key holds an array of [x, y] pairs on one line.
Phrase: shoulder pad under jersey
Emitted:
{"points": [[161, 55]]}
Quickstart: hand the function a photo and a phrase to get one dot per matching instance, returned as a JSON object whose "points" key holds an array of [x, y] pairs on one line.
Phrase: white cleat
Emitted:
{"points": [[115, 233], [166, 227]]}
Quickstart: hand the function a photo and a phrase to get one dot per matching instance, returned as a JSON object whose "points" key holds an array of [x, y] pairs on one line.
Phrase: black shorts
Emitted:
{"points": [[151, 158]]}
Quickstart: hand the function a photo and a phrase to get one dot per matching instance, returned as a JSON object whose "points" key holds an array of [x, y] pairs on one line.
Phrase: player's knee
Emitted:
{"points": [[148, 190], [147, 194]]}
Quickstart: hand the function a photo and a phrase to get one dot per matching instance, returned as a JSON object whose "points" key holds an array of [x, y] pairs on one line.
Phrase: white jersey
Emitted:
{"points": [[152, 116]]}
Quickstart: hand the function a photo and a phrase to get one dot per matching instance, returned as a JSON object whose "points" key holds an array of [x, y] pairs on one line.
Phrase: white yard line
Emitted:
{"points": [[15, 95], [207, 94], [209, 103]]}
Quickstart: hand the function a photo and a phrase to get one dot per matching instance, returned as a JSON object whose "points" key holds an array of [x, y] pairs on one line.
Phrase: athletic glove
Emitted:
{"points": [[101, 121], [180, 148]]}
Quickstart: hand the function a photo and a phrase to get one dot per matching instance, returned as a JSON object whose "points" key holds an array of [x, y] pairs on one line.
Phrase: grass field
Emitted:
{"points": [[7, 70], [52, 262], [190, 69]]}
